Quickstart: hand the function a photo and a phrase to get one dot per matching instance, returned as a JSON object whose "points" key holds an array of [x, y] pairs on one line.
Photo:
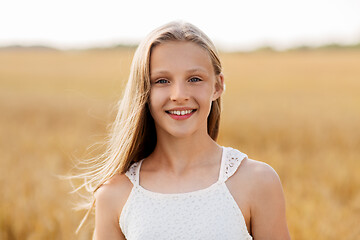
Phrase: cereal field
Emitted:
{"points": [[298, 111]]}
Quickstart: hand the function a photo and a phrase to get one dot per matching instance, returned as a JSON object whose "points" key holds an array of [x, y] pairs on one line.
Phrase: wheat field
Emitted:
{"points": [[298, 111]]}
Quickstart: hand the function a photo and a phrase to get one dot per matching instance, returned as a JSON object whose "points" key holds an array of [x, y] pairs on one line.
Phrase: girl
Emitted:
{"points": [[163, 176]]}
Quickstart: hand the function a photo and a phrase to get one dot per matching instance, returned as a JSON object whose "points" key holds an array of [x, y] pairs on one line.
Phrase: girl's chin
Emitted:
{"points": [[176, 133], [180, 135]]}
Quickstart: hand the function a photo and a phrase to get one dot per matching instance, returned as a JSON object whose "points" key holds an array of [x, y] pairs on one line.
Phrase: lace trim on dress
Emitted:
{"points": [[133, 173], [232, 160]]}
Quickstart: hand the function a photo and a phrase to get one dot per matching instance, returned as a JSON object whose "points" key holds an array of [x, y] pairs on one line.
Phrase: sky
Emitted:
{"points": [[232, 25]]}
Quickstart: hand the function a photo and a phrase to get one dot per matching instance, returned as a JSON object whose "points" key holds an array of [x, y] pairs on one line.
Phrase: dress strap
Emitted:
{"points": [[231, 161], [133, 173]]}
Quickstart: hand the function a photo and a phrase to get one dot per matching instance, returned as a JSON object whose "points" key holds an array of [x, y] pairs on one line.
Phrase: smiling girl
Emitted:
{"points": [[163, 175]]}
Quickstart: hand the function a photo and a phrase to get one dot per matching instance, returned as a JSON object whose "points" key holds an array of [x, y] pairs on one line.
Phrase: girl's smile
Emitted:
{"points": [[181, 113]]}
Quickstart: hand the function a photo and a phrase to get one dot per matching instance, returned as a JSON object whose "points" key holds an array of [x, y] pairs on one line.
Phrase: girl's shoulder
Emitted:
{"points": [[260, 175], [256, 179], [265, 192], [257, 171], [113, 194], [116, 184]]}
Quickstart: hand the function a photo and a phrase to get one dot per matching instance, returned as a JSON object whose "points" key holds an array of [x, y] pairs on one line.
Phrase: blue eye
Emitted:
{"points": [[162, 81], [195, 79]]}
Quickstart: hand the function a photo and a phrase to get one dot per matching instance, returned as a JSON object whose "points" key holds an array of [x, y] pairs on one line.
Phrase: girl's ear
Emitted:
{"points": [[219, 86]]}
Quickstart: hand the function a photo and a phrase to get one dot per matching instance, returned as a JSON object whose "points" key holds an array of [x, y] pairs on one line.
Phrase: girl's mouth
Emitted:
{"points": [[180, 114]]}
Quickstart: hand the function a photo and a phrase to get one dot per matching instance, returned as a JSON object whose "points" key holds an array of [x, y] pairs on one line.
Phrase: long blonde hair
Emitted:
{"points": [[133, 136]]}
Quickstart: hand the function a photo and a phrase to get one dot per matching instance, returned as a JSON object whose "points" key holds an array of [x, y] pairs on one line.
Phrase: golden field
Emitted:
{"points": [[297, 111]]}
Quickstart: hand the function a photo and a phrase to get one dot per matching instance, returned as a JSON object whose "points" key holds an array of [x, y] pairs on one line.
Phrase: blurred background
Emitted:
{"points": [[292, 100]]}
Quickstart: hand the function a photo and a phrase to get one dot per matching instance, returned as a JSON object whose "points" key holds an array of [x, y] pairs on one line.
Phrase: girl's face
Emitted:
{"points": [[183, 86]]}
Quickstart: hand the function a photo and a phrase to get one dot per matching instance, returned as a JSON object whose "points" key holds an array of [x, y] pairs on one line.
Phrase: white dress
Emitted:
{"points": [[209, 213]]}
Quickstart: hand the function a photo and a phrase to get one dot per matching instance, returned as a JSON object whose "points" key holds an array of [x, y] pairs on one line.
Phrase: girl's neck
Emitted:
{"points": [[179, 155]]}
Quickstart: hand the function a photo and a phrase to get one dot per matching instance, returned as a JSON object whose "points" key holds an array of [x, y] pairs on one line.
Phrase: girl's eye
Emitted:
{"points": [[162, 81], [195, 79]]}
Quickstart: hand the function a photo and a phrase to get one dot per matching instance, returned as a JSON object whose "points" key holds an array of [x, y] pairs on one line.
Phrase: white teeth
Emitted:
{"points": [[181, 113]]}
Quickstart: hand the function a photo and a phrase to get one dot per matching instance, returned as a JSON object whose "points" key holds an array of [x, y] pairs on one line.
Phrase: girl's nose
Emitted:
{"points": [[179, 92]]}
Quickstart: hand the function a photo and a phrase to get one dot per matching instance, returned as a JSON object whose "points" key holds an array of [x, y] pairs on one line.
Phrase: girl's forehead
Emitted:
{"points": [[176, 54], [180, 45]]}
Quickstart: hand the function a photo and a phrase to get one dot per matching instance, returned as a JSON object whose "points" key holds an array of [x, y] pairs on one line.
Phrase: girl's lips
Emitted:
{"points": [[181, 115]]}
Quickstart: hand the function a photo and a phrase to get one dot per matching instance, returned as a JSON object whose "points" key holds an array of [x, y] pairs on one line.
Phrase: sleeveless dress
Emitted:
{"points": [[209, 213]]}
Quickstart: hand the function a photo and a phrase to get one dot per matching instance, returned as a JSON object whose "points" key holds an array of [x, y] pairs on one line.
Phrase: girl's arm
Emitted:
{"points": [[110, 199], [106, 217], [268, 218]]}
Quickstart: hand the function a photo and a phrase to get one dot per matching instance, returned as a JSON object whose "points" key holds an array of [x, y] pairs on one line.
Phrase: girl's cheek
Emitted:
{"points": [[157, 95]]}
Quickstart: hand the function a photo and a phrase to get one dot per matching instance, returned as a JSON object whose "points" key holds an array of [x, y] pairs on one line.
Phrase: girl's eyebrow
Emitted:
{"points": [[198, 69]]}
